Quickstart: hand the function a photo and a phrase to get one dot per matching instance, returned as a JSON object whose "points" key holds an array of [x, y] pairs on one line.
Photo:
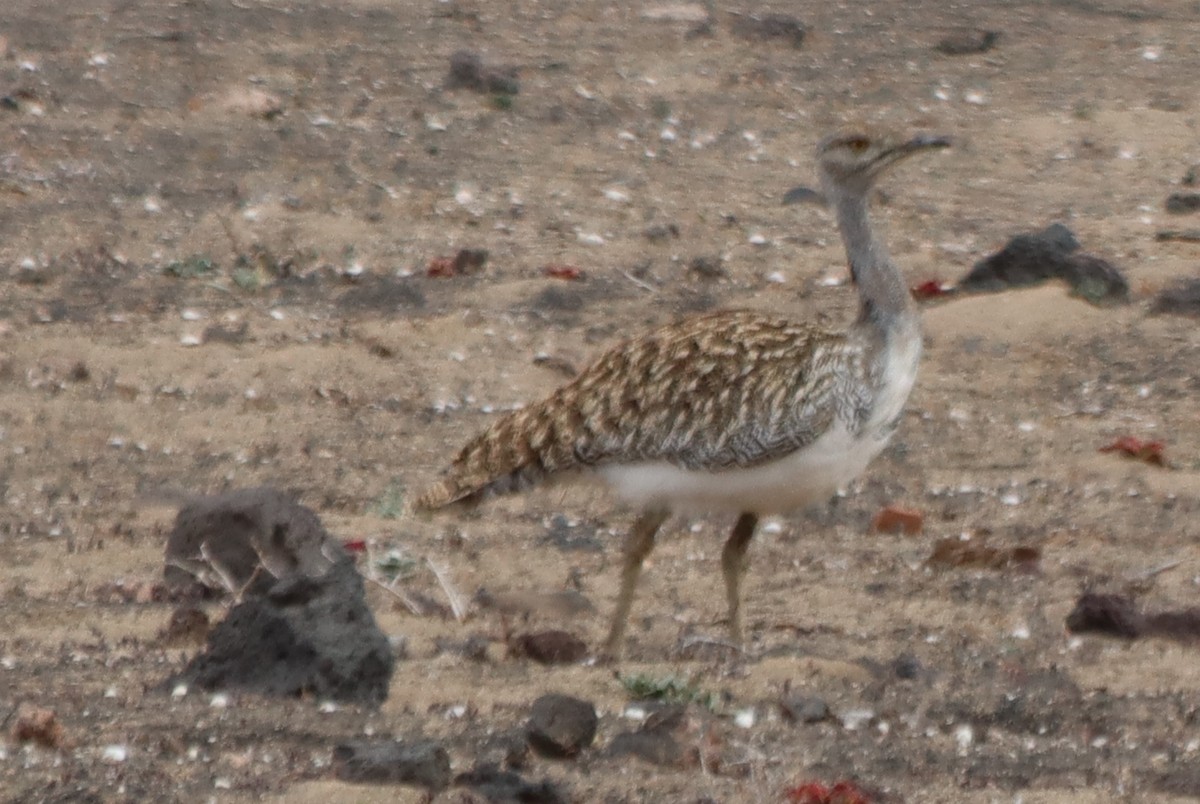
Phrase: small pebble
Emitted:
{"points": [[745, 719], [856, 718], [115, 753]]}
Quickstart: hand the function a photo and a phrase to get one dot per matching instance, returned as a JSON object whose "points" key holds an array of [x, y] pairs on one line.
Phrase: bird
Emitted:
{"points": [[732, 411]]}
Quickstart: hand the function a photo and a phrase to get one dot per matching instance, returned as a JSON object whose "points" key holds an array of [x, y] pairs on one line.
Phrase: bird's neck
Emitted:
{"points": [[885, 300]]}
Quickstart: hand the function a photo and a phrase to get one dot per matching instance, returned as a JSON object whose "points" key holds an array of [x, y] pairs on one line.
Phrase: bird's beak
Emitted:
{"points": [[924, 141]]}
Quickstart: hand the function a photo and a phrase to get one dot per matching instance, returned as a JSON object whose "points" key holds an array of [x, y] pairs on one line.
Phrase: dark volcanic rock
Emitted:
{"points": [[1180, 299], [770, 26], [468, 71], [246, 539], [549, 647], [1031, 258], [674, 737], [496, 786], [423, 764], [804, 708], [311, 636], [967, 41], [561, 726], [1183, 203]]}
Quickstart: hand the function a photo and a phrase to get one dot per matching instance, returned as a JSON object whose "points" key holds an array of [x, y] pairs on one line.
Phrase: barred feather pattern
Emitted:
{"points": [[733, 389]]}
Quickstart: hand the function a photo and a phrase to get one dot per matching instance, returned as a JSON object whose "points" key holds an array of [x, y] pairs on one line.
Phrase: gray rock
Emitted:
{"points": [[561, 726], [421, 764], [804, 709], [312, 636], [495, 786], [1180, 299], [244, 541]]}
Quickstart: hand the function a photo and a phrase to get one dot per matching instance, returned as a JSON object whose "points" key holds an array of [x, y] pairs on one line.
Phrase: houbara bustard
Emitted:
{"points": [[732, 411]]}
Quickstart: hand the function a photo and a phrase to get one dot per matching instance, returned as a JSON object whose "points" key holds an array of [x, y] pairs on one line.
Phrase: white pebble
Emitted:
{"points": [[975, 97], [668, 135], [772, 527], [111, 692], [758, 239], [626, 136], [219, 701], [355, 269], [28, 66], [941, 94], [745, 719], [152, 205], [831, 281], [856, 718], [634, 713], [190, 314], [1152, 53], [1026, 427], [222, 783], [964, 735], [1011, 498], [613, 194], [190, 340], [1021, 632], [776, 277], [457, 711], [99, 59], [180, 691], [277, 314], [115, 753], [28, 264], [591, 238], [327, 707]]}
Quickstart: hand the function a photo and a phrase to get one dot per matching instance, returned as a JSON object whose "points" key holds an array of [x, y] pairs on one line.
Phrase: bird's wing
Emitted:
{"points": [[731, 389], [720, 391]]}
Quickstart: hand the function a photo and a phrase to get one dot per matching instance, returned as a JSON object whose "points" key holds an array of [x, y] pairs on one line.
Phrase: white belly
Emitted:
{"points": [[804, 477], [809, 475]]}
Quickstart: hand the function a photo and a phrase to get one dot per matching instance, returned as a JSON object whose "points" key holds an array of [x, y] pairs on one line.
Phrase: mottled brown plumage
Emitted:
{"points": [[733, 410], [728, 389]]}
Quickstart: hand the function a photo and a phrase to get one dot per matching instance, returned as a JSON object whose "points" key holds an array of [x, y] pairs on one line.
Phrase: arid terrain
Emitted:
{"points": [[224, 232]]}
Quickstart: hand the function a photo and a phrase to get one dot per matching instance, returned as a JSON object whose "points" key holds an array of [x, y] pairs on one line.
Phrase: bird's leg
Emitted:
{"points": [[638, 545], [733, 565]]}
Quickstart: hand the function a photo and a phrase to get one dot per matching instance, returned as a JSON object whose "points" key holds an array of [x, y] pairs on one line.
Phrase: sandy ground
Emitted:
{"points": [[312, 155]]}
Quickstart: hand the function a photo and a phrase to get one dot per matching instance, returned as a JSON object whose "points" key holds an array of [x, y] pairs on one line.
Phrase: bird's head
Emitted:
{"points": [[852, 161]]}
